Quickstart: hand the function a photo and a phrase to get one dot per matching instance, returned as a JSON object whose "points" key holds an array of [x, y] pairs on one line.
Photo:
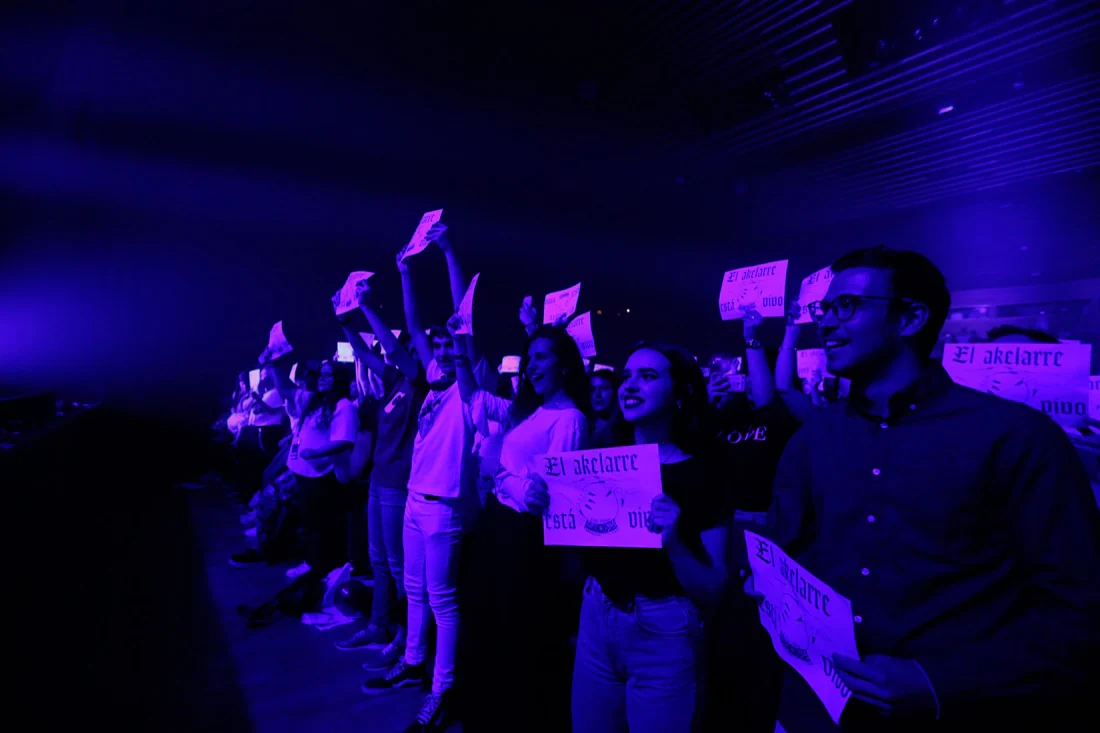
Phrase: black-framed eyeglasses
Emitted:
{"points": [[844, 306]]}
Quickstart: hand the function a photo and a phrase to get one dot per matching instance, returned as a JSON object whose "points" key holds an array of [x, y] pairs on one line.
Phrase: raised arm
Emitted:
{"points": [[464, 370], [786, 366], [370, 359], [399, 356], [763, 383], [528, 316], [438, 232], [420, 340]]}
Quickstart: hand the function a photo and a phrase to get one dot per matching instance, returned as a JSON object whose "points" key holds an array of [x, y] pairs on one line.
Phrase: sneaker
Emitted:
{"points": [[435, 713], [246, 559], [399, 675], [297, 570], [370, 637], [379, 660]]}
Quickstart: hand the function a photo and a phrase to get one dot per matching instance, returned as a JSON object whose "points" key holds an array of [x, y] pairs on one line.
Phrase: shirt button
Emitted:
{"points": [[871, 518], [865, 571], [875, 471], [857, 619]]}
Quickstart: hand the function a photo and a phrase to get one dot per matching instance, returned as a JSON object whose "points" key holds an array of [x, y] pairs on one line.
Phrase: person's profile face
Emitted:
{"points": [[542, 367], [325, 379], [603, 395], [870, 336]]}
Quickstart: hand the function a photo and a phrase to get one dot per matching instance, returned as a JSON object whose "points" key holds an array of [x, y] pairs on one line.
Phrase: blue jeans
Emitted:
{"points": [[636, 666], [385, 524]]}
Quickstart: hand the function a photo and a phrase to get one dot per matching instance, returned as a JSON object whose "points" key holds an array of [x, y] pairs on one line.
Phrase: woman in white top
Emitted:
{"points": [[327, 429], [514, 637]]}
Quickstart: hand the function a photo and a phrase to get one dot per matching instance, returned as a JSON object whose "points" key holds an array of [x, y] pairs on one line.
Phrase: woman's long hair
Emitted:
{"points": [[575, 380], [690, 429], [325, 402]]}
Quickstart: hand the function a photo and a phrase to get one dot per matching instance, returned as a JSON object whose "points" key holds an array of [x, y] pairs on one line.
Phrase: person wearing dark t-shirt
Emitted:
{"points": [[639, 643], [404, 387]]}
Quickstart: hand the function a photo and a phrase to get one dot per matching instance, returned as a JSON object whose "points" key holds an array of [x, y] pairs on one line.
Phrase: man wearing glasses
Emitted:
{"points": [[961, 526]]}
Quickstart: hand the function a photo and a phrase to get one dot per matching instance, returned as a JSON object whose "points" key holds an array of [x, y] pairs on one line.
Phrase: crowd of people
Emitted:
{"points": [[961, 527]]}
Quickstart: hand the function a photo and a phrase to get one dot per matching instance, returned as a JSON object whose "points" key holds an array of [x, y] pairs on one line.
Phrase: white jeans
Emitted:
{"points": [[432, 537]]}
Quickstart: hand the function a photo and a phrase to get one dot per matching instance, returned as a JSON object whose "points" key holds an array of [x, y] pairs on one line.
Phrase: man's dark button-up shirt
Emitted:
{"points": [[963, 529]]}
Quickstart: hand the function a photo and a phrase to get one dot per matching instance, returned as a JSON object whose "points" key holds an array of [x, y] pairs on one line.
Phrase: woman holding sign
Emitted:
{"points": [[638, 650], [512, 633]]}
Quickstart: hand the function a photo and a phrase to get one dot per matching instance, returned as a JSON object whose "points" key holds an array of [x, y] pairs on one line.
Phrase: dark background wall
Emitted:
{"points": [[177, 177]]}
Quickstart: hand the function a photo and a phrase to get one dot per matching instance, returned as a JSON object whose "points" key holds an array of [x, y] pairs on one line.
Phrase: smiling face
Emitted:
{"points": [[443, 351], [869, 339], [647, 389], [542, 367], [603, 394]]}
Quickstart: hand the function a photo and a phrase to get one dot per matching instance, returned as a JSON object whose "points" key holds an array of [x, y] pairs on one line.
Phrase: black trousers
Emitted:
{"points": [[322, 504], [516, 662]]}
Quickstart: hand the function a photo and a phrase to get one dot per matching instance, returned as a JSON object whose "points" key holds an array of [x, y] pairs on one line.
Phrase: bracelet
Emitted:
{"points": [[753, 343]]}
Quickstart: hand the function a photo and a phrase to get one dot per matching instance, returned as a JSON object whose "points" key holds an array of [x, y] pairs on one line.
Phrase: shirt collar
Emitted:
{"points": [[933, 381]]}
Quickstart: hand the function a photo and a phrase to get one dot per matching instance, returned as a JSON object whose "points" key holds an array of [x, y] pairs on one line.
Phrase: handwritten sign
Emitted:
{"points": [[510, 365], [419, 241], [759, 288], [294, 373], [807, 620], [466, 309], [601, 498], [811, 360], [1094, 397], [344, 352], [580, 328], [1053, 378], [603, 368], [563, 303], [347, 299], [277, 345], [814, 288], [254, 379]]}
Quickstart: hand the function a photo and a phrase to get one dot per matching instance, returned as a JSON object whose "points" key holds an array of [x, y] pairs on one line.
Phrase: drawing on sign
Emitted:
{"points": [[758, 288], [580, 328], [561, 304], [419, 241], [1009, 385], [346, 298]]}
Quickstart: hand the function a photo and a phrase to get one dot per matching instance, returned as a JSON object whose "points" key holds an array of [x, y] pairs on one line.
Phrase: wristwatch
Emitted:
{"points": [[753, 344]]}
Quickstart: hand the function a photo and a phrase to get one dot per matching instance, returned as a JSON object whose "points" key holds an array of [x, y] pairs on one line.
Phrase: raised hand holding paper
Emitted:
{"points": [[466, 309], [562, 303], [814, 288], [277, 345], [807, 620], [344, 353], [419, 241], [601, 498], [347, 299], [1053, 378], [759, 288], [580, 328], [254, 379]]}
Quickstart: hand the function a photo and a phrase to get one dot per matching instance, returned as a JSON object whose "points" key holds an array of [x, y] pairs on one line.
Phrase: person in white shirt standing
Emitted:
{"points": [[441, 497], [327, 429]]}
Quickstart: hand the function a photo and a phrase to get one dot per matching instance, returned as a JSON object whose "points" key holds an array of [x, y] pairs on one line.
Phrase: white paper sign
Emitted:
{"points": [[814, 288], [346, 299], [1094, 397], [254, 379], [559, 304], [760, 288], [419, 241], [811, 360], [580, 328], [1053, 378], [294, 373], [277, 345], [344, 352], [510, 365], [603, 367], [807, 620], [601, 498], [466, 309]]}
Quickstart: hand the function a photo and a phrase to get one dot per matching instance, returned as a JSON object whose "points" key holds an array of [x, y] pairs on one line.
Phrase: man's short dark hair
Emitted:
{"points": [[1039, 337], [913, 277], [439, 332]]}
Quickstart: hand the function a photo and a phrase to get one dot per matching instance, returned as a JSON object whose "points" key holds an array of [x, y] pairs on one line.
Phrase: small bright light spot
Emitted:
{"points": [[627, 310], [948, 108], [599, 313]]}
